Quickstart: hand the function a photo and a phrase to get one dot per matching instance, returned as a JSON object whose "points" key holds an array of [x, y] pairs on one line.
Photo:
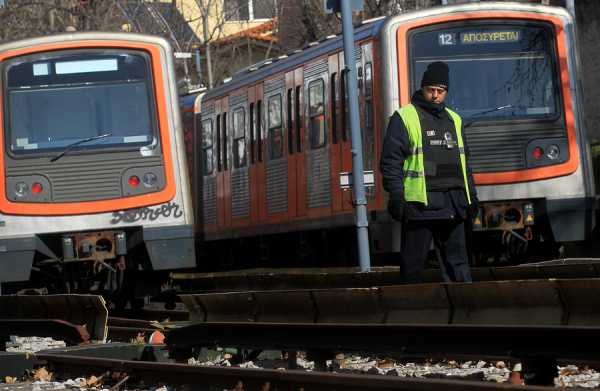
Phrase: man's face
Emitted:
{"points": [[435, 94]]}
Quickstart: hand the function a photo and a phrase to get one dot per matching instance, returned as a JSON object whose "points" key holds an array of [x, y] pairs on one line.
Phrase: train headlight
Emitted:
{"points": [[21, 189], [149, 179], [553, 152]]}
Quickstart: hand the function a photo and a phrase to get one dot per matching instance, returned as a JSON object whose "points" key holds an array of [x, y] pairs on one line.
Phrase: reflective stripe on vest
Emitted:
{"points": [[415, 189]]}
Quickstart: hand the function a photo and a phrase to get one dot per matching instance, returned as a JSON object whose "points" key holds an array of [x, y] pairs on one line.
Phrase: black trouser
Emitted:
{"points": [[449, 240]]}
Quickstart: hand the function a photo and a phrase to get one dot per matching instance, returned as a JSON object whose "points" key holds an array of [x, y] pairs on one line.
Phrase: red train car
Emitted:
{"points": [[271, 143]]}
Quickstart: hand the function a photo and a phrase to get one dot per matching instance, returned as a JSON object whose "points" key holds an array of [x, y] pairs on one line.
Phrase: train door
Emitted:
{"points": [[317, 151], [293, 147], [223, 162], [344, 137], [299, 135], [276, 162], [367, 110], [256, 166], [206, 168], [239, 171], [334, 129]]}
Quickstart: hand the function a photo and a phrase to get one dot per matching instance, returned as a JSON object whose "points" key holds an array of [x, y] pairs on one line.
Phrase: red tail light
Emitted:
{"points": [[133, 181], [538, 152], [37, 188]]}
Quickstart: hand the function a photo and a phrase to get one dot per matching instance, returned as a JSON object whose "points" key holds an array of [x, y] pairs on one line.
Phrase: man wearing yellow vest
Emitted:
{"points": [[425, 171]]}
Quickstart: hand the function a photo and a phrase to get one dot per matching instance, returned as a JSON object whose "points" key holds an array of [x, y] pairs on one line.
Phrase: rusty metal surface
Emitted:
{"points": [[145, 364], [526, 302], [428, 303], [127, 322], [355, 305], [88, 310], [325, 278]]}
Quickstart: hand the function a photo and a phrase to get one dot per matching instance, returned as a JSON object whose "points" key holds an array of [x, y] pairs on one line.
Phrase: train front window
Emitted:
{"points": [[54, 100], [497, 71]]}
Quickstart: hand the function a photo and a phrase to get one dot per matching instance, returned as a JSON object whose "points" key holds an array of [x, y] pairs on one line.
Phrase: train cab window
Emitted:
{"points": [[275, 135], [239, 137], [107, 95], [219, 143], [259, 134], [519, 56], [290, 122], [224, 143], [252, 134], [316, 101], [332, 97], [207, 146], [298, 114]]}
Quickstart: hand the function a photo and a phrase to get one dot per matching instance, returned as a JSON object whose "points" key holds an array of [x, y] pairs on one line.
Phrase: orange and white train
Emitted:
{"points": [[93, 180], [271, 144]]}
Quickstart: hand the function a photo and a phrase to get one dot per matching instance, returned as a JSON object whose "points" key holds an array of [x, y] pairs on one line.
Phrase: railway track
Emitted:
{"points": [[537, 322], [143, 365], [325, 278]]}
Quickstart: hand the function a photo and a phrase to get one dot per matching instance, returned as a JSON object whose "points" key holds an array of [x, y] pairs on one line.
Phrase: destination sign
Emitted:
{"points": [[489, 37]]}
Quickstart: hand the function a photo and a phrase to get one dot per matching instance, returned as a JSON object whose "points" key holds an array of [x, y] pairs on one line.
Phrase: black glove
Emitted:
{"points": [[473, 208], [396, 206]]}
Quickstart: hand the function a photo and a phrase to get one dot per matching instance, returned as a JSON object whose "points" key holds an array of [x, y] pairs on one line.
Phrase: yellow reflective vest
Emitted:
{"points": [[415, 188]]}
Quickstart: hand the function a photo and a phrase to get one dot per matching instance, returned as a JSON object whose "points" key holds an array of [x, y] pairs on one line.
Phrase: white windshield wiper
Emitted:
{"points": [[79, 142], [478, 116]]}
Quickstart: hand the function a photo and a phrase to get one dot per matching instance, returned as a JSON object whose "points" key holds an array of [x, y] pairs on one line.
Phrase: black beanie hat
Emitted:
{"points": [[437, 73]]}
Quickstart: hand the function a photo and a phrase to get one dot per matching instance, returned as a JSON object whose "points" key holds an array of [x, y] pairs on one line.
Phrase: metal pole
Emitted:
{"points": [[199, 66], [362, 224]]}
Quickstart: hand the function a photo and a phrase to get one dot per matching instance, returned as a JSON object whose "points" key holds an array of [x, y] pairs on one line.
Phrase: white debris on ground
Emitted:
{"points": [[32, 344], [495, 371], [572, 376]]}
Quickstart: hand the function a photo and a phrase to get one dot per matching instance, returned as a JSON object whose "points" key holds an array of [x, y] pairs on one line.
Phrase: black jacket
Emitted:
{"points": [[444, 202]]}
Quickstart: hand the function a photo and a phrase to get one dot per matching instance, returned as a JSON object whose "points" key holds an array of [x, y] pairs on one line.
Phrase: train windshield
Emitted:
{"points": [[497, 71], [55, 100]]}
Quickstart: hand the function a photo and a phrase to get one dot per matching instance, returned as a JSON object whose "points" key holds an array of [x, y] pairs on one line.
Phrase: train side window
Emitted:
{"points": [[239, 137], [298, 114], [252, 134], [224, 131], [368, 96], [333, 105], [290, 124], [344, 104], [207, 146], [275, 135], [316, 113], [219, 160], [259, 135]]}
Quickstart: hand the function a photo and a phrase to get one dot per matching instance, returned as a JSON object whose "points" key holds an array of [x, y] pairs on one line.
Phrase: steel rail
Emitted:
{"points": [[325, 278], [227, 377]]}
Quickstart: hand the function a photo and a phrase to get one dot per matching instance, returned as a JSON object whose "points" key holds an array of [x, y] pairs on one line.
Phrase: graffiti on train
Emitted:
{"points": [[147, 214]]}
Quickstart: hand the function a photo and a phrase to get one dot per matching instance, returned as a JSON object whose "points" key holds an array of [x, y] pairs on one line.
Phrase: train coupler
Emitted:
{"points": [[94, 246], [504, 216]]}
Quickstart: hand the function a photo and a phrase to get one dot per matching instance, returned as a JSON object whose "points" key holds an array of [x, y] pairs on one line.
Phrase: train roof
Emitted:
{"points": [[367, 29], [263, 69]]}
